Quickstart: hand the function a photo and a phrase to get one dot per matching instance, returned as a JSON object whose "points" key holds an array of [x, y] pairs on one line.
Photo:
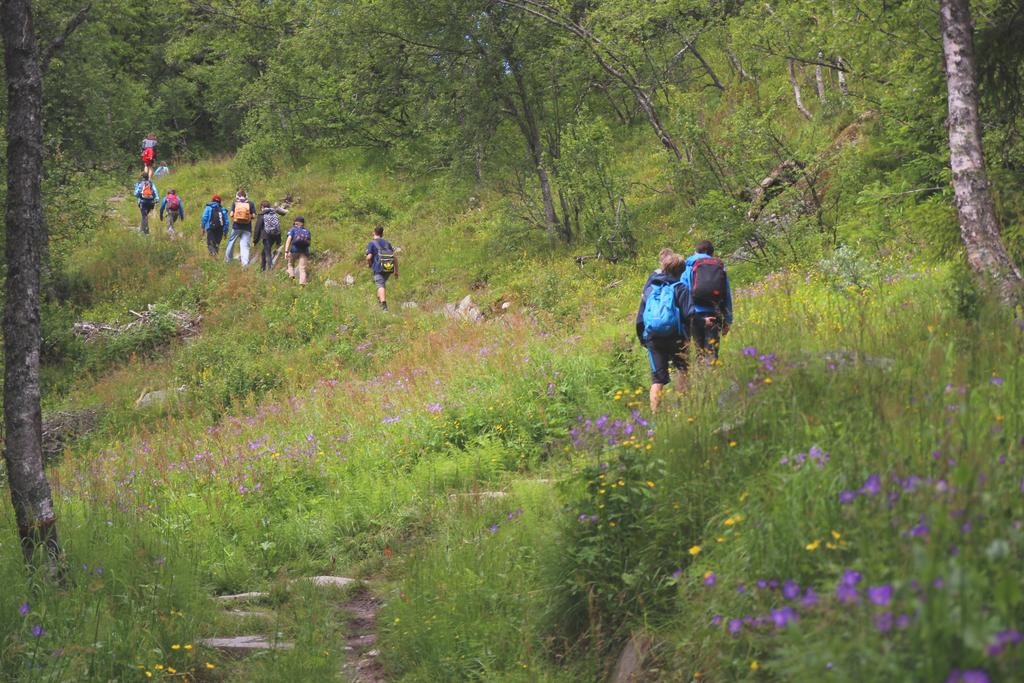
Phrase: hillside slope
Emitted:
{"points": [[841, 494]]}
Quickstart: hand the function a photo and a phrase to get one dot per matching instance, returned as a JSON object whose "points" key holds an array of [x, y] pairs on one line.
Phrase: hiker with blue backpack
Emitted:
{"points": [[711, 298], [268, 229], [662, 325], [380, 257], [214, 223], [297, 249], [148, 196]]}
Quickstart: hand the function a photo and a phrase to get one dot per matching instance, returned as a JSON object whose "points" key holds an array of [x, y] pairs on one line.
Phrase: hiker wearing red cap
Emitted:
{"points": [[215, 224]]}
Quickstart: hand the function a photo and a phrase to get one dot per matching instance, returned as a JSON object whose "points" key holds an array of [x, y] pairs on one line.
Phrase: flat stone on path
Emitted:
{"points": [[629, 668], [250, 613], [243, 597], [240, 646], [330, 581]]}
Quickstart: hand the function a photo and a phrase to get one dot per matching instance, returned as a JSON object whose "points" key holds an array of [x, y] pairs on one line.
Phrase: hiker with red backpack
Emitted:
{"points": [[711, 298], [662, 325], [174, 209], [148, 196], [148, 153]]}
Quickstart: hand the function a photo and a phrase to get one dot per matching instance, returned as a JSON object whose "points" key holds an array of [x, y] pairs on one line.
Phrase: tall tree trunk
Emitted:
{"points": [[978, 224], [796, 91], [841, 75], [30, 492], [819, 76]]}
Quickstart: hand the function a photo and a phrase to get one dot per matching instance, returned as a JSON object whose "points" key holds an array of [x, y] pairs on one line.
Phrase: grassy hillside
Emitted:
{"points": [[840, 497]]}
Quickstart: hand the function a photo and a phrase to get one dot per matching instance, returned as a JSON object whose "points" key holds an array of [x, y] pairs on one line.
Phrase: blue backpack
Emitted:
{"points": [[662, 317]]}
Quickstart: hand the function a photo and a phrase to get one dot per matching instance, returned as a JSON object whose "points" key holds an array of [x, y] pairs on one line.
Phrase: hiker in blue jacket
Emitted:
{"points": [[711, 297], [148, 196], [214, 223], [174, 208], [662, 325]]}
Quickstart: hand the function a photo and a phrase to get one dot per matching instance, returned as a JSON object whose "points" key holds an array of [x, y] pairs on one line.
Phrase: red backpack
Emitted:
{"points": [[173, 202]]}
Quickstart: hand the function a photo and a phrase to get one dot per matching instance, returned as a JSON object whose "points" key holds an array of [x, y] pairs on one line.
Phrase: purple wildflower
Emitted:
{"points": [[880, 595], [710, 579], [902, 621], [872, 486], [784, 616], [998, 381], [677, 573], [791, 590], [23, 610], [1002, 639], [38, 631], [847, 497], [846, 594], [735, 626], [434, 407], [749, 351], [716, 620], [851, 577], [810, 598], [969, 676], [494, 528], [883, 622], [742, 588], [920, 530]]}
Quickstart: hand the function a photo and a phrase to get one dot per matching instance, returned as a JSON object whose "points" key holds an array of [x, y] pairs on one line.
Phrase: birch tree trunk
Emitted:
{"points": [[979, 226], [796, 92], [841, 75], [819, 76], [26, 231]]}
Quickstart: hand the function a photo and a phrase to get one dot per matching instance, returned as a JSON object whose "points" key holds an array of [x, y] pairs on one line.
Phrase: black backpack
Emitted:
{"points": [[707, 283], [216, 217]]}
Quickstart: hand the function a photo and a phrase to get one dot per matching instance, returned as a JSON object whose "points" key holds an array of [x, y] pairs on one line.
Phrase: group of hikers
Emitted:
{"points": [[246, 225], [687, 299]]}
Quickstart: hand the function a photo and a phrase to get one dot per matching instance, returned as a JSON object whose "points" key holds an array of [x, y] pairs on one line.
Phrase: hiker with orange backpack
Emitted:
{"points": [[174, 209], [148, 196], [242, 213], [711, 298], [148, 153]]}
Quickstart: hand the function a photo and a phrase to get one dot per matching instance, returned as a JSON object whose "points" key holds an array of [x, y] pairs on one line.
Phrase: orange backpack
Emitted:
{"points": [[242, 213]]}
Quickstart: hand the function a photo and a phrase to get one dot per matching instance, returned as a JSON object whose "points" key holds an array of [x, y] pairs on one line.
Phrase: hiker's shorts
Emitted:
{"points": [[381, 278], [662, 353]]}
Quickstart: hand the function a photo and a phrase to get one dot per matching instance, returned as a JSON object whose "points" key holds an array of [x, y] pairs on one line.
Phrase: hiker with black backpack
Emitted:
{"points": [[148, 196], [242, 213], [174, 209], [662, 326], [268, 229], [380, 257], [711, 297], [297, 249], [215, 223]]}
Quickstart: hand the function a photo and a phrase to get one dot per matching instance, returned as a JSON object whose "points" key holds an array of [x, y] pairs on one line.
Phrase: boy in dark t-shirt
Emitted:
{"points": [[380, 257]]}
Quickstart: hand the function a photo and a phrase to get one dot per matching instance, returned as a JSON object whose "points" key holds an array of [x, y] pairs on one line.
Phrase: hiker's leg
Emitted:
{"points": [[303, 265], [144, 225], [681, 360], [382, 295], [699, 330], [245, 239], [714, 340], [659, 372], [291, 265], [229, 250]]}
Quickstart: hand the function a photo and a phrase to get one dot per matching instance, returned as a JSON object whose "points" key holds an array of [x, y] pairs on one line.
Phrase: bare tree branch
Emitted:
{"points": [[59, 41]]}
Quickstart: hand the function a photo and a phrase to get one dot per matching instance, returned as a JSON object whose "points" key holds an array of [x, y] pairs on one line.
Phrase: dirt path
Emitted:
{"points": [[362, 657]]}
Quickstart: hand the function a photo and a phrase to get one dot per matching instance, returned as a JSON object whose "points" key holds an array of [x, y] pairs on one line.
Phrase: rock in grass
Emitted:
{"points": [[240, 646], [252, 596], [629, 668], [349, 280], [410, 305], [330, 581]]}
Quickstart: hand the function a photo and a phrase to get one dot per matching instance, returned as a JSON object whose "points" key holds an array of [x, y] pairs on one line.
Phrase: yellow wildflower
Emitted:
{"points": [[836, 535], [650, 484], [175, 647], [695, 550], [813, 545], [754, 666], [767, 380], [729, 521], [210, 666]]}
